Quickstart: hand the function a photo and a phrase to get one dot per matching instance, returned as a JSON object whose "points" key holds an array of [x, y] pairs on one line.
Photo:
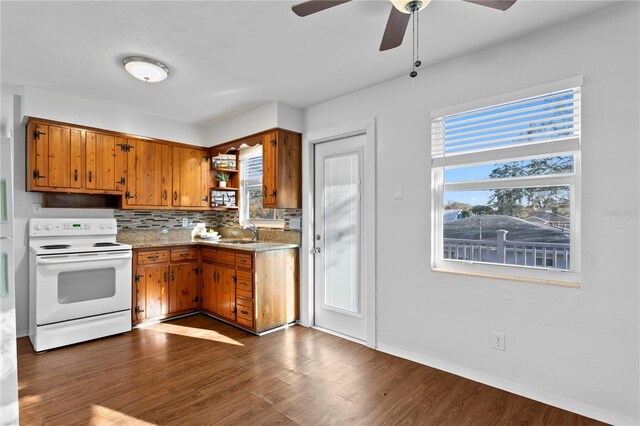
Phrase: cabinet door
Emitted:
{"points": [[226, 292], [148, 174], [209, 301], [269, 172], [183, 288], [152, 292], [190, 173], [104, 162], [56, 158]]}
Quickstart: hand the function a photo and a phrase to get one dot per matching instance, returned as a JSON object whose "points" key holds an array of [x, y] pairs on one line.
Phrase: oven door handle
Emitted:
{"points": [[60, 260]]}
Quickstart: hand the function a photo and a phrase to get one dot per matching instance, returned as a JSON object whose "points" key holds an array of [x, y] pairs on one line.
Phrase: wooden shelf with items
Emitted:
{"points": [[224, 197]]}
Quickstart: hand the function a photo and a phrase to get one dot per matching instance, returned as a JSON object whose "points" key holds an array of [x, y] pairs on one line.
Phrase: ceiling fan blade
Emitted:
{"points": [[312, 6], [494, 4], [394, 32]]}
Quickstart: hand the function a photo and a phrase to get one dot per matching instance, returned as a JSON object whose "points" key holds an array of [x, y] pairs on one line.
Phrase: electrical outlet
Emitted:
{"points": [[498, 341], [36, 208], [295, 222]]}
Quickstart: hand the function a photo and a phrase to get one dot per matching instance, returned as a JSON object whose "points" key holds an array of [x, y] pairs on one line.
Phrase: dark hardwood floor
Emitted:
{"points": [[197, 370]]}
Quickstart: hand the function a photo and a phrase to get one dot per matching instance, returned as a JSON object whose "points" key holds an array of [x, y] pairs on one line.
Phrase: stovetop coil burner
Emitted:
{"points": [[55, 246], [107, 244]]}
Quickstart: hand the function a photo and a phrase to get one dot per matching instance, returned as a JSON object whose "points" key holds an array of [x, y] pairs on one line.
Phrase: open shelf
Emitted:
{"points": [[225, 170], [224, 188], [224, 207]]}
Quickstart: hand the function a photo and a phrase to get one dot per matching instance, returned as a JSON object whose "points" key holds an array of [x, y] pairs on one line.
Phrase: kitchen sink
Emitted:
{"points": [[237, 241]]}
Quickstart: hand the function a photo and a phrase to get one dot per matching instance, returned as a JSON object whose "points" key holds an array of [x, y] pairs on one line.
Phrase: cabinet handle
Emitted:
{"points": [[164, 195], [264, 192], [152, 257], [175, 195], [234, 278], [273, 193], [173, 275], [195, 299], [244, 312], [138, 310], [165, 276], [75, 175], [90, 176], [205, 198]]}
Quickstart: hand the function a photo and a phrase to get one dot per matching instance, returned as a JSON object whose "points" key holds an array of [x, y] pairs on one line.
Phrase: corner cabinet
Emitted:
{"points": [[254, 291]]}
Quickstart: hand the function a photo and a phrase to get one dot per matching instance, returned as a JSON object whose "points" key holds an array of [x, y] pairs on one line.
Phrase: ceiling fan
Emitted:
{"points": [[401, 12]]}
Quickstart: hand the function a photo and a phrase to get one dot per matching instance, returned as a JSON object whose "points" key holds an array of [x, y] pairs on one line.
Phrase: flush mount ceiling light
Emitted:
{"points": [[146, 69]]}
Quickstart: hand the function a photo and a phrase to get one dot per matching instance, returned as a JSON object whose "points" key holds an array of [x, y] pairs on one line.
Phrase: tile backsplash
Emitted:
{"points": [[156, 219]]}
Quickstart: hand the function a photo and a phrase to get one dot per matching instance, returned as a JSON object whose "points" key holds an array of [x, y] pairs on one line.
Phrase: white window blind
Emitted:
{"points": [[539, 120]]}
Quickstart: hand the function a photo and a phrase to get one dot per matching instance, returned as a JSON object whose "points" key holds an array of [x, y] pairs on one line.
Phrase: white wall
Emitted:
{"points": [[269, 116], [577, 348], [55, 106]]}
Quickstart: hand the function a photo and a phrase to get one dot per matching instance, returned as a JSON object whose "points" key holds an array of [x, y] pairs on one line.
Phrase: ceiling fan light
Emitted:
{"points": [[408, 6], [145, 69]]}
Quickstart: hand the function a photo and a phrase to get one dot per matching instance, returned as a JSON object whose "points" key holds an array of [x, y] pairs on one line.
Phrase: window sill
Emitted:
{"points": [[270, 225], [529, 280]]}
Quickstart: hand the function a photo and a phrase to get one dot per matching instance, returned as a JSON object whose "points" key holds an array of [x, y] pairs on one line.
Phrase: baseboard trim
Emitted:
{"points": [[22, 333], [510, 386]]}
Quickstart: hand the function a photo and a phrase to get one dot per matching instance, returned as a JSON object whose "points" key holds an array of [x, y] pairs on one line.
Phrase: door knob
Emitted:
{"points": [[316, 250]]}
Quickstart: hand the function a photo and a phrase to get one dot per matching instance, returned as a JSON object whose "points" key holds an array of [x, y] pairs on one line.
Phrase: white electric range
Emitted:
{"points": [[79, 281]]}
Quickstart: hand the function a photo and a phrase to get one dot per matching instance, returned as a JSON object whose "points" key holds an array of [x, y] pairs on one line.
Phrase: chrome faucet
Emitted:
{"points": [[254, 230]]}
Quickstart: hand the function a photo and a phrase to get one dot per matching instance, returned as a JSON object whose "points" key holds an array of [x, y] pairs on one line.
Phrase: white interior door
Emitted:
{"points": [[339, 290]]}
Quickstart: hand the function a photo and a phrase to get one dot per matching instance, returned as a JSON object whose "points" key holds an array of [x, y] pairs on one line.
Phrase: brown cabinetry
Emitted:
{"points": [[105, 162], [165, 283], [151, 293], [282, 170], [255, 291], [149, 174], [191, 178], [59, 157]]}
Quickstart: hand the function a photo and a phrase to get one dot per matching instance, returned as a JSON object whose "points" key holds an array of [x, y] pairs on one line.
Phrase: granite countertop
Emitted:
{"points": [[152, 239]]}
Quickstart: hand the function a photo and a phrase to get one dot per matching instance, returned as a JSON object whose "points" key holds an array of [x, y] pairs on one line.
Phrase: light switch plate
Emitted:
{"points": [[295, 222]]}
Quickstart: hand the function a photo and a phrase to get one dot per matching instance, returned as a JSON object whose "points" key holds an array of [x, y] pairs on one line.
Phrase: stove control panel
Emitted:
{"points": [[60, 227]]}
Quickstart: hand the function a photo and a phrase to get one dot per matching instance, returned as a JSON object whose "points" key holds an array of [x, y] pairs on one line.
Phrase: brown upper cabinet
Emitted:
{"points": [[191, 177], [149, 174], [105, 162], [282, 170], [281, 166], [68, 159], [57, 157]]}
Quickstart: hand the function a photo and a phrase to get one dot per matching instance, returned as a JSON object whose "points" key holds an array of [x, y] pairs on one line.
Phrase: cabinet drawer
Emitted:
{"points": [[179, 255], [209, 254], [148, 257], [245, 315], [226, 257], [244, 260], [244, 285]]}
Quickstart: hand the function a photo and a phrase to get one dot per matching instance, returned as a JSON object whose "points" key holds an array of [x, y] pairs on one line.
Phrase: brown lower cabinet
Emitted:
{"points": [[254, 291], [165, 283]]}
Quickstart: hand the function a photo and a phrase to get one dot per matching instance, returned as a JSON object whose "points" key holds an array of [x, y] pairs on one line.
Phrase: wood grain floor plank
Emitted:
{"points": [[199, 371]]}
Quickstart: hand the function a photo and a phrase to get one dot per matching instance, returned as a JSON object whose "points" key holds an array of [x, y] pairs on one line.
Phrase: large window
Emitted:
{"points": [[505, 188], [251, 191]]}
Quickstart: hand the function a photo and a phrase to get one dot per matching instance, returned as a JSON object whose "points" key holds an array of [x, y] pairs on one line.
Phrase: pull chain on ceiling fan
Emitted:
{"points": [[401, 12]]}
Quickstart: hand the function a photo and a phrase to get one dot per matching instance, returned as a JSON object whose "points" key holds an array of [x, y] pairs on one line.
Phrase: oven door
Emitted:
{"points": [[78, 285]]}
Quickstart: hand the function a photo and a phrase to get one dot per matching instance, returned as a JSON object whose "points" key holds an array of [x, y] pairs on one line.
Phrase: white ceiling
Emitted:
{"points": [[228, 57]]}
